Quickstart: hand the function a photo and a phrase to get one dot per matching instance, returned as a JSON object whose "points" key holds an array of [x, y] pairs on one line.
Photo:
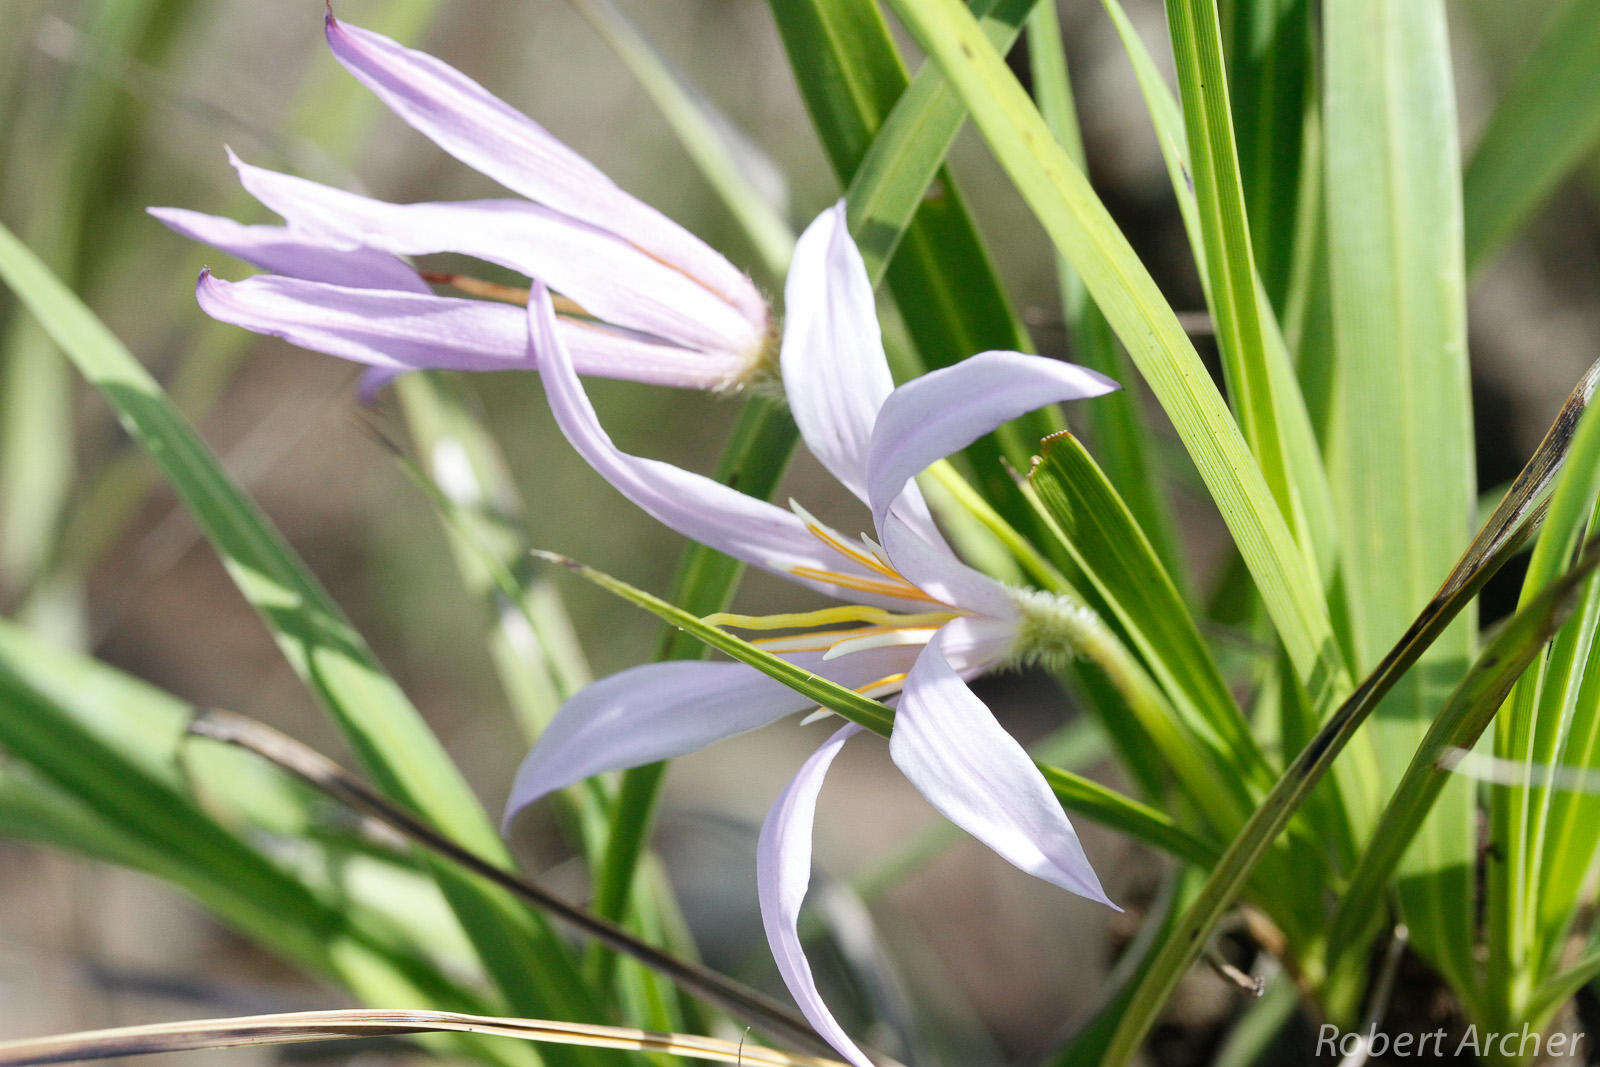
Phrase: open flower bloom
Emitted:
{"points": [[915, 622], [645, 299]]}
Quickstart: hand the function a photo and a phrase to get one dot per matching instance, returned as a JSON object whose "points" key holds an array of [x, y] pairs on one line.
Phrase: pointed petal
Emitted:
{"points": [[468, 122], [948, 744], [645, 714], [397, 332], [282, 251], [661, 710], [609, 277], [945, 410], [783, 873], [834, 372], [701, 509]]}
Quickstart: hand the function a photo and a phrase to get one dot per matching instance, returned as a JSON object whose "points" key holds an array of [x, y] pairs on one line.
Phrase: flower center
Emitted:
{"points": [[1050, 628], [846, 628]]}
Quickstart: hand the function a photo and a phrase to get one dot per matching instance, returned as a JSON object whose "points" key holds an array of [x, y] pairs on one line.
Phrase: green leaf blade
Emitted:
{"points": [[1403, 472]]}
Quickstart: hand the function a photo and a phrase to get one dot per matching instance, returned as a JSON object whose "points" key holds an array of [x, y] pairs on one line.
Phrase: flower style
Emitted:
{"points": [[645, 299], [916, 621]]}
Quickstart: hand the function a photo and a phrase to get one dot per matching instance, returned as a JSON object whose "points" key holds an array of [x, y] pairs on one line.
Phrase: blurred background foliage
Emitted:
{"points": [[107, 106]]}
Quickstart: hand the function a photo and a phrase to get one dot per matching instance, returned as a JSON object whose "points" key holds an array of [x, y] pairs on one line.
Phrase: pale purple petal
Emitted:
{"points": [[396, 332], [662, 710], [381, 328], [609, 277], [948, 744], [783, 874], [945, 410], [835, 375], [469, 123], [701, 509], [645, 714], [283, 251], [927, 562]]}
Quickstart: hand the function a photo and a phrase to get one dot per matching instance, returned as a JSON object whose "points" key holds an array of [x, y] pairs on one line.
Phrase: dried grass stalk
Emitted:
{"points": [[306, 1026]]}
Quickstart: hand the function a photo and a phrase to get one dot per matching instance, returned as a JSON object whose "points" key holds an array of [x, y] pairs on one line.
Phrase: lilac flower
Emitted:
{"points": [[645, 299], [916, 621]]}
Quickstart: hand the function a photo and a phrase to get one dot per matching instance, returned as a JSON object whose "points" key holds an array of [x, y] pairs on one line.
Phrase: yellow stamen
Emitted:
{"points": [[834, 540], [881, 637], [887, 684], [903, 591], [505, 294], [827, 617], [841, 642]]}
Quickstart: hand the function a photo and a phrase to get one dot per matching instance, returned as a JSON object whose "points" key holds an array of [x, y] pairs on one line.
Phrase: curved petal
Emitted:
{"points": [[945, 410], [609, 277], [834, 372], [282, 251], [397, 332], [661, 710], [783, 874], [468, 122], [381, 328], [948, 744], [701, 509], [645, 714]]}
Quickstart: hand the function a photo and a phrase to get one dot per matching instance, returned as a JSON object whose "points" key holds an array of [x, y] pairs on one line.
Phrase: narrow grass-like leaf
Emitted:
{"points": [[852, 77], [530, 966], [908, 150], [1270, 83], [1548, 120], [1229, 260], [1124, 568], [1457, 726], [1566, 850], [1231, 774], [1084, 232], [1119, 435], [1537, 720], [103, 776], [1253, 1034], [60, 717], [342, 1024], [1501, 536], [1549, 997], [1403, 473], [1274, 381]]}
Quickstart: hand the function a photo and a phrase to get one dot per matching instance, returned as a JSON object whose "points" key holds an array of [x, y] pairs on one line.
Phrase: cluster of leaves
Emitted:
{"points": [[1313, 154]]}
